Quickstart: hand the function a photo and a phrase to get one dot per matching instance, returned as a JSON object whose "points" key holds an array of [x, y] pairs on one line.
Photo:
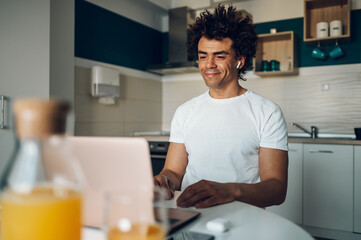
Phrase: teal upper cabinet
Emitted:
{"points": [[104, 36]]}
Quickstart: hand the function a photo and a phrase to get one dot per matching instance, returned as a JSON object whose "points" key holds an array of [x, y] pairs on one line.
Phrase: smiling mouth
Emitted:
{"points": [[211, 74]]}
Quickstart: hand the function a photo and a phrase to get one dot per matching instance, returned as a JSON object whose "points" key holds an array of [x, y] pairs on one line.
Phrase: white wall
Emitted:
{"points": [[272, 10], [141, 11]]}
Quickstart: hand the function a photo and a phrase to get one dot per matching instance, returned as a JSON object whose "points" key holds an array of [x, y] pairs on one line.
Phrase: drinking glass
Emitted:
{"points": [[130, 214]]}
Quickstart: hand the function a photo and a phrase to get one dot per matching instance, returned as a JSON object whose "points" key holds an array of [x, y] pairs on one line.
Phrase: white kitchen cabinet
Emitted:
{"points": [[37, 57], [357, 190], [292, 207], [328, 186]]}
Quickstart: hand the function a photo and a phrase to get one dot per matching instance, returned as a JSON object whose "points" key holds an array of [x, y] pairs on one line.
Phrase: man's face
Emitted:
{"points": [[217, 62]]}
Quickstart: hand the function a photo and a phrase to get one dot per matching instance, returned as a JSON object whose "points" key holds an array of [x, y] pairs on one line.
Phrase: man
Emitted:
{"points": [[228, 143]]}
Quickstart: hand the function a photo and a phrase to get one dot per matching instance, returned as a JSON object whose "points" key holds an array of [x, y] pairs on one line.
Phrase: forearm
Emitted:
{"points": [[263, 194], [175, 165], [270, 191]]}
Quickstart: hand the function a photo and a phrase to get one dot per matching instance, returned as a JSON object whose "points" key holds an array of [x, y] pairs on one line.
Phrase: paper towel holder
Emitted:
{"points": [[105, 84]]}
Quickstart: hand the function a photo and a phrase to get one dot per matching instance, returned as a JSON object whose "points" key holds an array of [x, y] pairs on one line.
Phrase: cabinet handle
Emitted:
{"points": [[2, 123], [320, 151]]}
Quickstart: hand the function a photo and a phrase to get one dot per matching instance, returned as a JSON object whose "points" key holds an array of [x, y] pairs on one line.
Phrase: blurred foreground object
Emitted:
{"points": [[41, 196]]}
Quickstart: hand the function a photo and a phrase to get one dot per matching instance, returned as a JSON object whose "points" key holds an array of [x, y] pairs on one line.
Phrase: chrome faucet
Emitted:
{"points": [[313, 133]]}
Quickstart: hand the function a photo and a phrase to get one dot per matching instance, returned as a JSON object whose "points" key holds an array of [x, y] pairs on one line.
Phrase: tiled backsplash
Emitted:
{"points": [[301, 98], [138, 109], [148, 105]]}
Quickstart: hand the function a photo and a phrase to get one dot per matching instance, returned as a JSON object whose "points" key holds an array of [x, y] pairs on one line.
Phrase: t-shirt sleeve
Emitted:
{"points": [[176, 129], [274, 134]]}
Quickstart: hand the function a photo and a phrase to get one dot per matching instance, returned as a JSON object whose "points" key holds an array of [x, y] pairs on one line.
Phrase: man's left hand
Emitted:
{"points": [[206, 194]]}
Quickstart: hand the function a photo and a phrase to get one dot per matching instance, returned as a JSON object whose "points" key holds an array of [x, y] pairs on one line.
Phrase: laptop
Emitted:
{"points": [[109, 164]]}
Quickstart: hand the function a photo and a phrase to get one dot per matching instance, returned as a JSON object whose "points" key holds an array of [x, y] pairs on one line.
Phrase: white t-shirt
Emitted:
{"points": [[223, 136]]}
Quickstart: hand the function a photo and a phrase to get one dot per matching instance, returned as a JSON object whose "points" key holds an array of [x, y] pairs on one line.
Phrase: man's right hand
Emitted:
{"points": [[164, 182], [174, 168]]}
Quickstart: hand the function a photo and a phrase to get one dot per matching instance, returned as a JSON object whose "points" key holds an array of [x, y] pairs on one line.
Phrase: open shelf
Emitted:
{"points": [[325, 11], [281, 46]]}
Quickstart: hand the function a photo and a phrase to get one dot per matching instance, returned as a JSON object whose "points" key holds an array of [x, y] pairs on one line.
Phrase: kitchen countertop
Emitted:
{"points": [[341, 141], [156, 138]]}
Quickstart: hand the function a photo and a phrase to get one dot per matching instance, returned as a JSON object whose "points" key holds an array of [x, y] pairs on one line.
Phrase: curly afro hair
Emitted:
{"points": [[225, 23]]}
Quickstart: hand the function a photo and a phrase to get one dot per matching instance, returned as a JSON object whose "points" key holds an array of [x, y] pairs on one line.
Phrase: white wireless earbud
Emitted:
{"points": [[239, 64]]}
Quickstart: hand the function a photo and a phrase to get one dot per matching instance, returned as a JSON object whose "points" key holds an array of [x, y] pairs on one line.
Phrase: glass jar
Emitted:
{"points": [[42, 197]]}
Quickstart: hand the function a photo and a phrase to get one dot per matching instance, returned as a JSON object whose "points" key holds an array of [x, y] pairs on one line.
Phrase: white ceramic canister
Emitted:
{"points": [[335, 28], [322, 29], [273, 30]]}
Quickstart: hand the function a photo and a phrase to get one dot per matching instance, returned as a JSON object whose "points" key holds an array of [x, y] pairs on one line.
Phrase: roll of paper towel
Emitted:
{"points": [[322, 29], [107, 100], [336, 28]]}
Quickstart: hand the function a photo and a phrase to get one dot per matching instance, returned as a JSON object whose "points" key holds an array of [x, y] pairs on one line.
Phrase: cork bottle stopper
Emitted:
{"points": [[36, 118]]}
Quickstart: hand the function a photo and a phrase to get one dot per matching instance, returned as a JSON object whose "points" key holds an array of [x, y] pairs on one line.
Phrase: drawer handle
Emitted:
{"points": [[320, 151], [158, 156]]}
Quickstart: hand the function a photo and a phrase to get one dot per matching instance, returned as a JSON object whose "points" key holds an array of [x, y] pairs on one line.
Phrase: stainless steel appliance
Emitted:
{"points": [[158, 153], [178, 59]]}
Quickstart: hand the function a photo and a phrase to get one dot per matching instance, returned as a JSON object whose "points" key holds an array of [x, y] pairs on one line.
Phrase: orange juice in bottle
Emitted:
{"points": [[41, 213], [42, 199]]}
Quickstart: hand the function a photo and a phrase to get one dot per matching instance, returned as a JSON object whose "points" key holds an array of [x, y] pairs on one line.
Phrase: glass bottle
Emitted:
{"points": [[42, 197]]}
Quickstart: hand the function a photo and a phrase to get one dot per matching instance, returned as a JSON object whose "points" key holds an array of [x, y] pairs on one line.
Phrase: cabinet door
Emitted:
{"points": [[328, 186], [292, 207], [357, 190]]}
